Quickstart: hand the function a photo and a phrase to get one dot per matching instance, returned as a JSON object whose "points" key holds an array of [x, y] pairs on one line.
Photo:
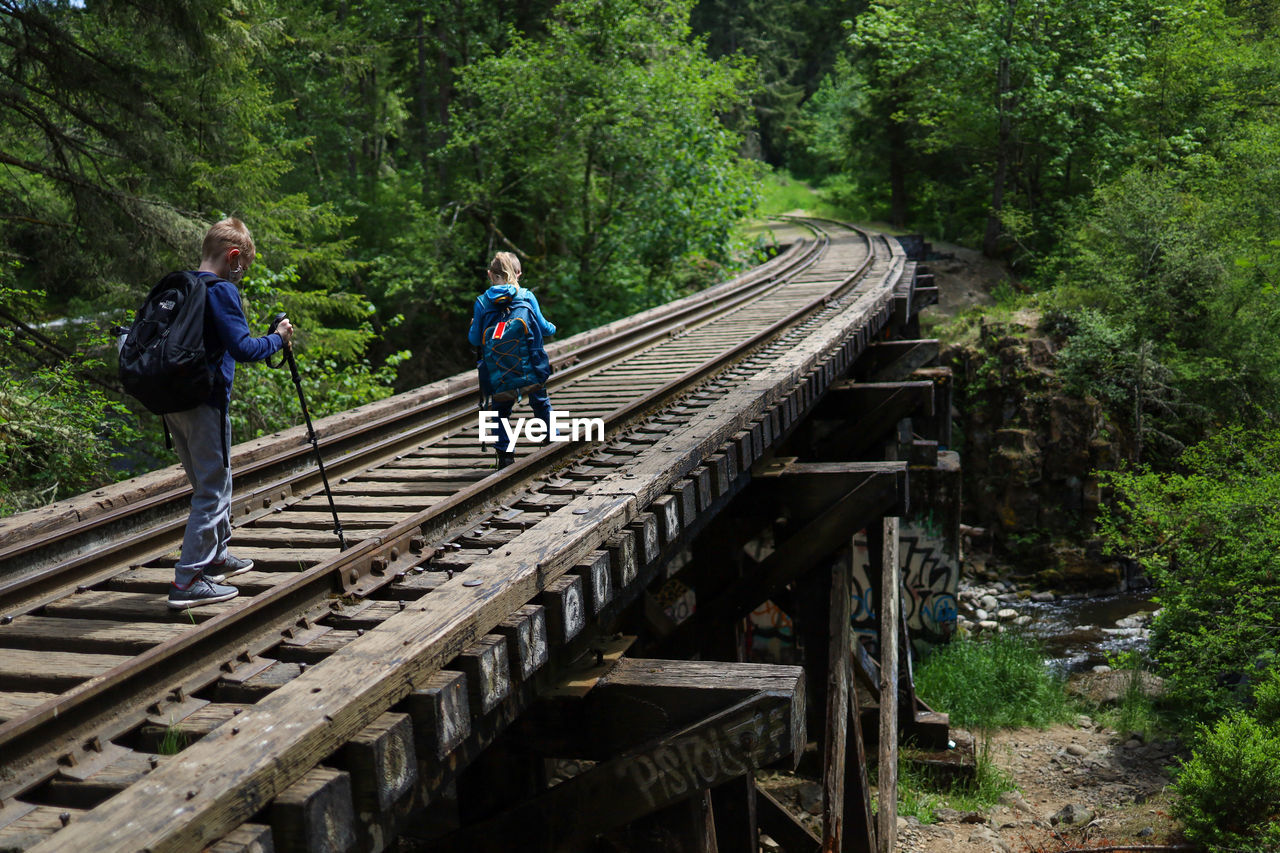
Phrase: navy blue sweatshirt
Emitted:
{"points": [[225, 328]]}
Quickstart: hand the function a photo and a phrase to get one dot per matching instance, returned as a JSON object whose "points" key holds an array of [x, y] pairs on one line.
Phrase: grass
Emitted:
{"points": [[173, 742], [984, 684], [780, 193], [919, 793], [996, 682], [1136, 711]]}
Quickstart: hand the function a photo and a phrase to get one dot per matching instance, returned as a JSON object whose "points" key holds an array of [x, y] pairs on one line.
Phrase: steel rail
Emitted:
{"points": [[152, 673]]}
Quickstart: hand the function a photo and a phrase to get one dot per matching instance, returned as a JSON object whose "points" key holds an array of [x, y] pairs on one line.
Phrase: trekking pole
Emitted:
{"points": [[311, 433]]}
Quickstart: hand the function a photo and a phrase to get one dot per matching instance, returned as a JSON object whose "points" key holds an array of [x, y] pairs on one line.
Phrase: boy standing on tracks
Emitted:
{"points": [[202, 435], [507, 325]]}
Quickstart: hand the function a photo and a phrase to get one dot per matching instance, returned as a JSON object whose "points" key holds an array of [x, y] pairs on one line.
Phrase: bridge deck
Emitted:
{"points": [[464, 590]]}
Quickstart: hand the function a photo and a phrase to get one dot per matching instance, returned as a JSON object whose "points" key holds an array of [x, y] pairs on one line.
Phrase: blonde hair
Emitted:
{"points": [[506, 266], [230, 233]]}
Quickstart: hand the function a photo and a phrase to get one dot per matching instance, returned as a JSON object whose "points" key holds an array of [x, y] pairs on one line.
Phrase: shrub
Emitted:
{"points": [[1209, 538], [1230, 789]]}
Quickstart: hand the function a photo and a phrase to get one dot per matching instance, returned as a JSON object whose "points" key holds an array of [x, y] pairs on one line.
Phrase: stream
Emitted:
{"points": [[1080, 633]]}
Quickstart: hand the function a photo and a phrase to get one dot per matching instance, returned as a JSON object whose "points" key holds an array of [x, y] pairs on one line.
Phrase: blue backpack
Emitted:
{"points": [[512, 360]]}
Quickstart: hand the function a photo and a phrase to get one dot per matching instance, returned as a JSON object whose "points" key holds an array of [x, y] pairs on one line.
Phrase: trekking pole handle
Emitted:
{"points": [[287, 350]]}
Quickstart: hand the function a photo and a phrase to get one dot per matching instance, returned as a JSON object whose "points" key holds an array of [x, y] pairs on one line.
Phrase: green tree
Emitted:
{"points": [[1031, 102], [58, 428], [791, 47], [1210, 539], [119, 123], [599, 154]]}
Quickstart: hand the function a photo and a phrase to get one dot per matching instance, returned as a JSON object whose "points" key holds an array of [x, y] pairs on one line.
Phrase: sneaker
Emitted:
{"points": [[201, 590], [505, 458], [227, 568]]}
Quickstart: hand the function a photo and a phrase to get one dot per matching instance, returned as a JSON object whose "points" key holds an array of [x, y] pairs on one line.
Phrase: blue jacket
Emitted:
{"points": [[485, 301], [226, 329]]}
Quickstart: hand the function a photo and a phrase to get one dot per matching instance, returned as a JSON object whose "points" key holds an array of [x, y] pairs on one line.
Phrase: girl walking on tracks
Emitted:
{"points": [[507, 327]]}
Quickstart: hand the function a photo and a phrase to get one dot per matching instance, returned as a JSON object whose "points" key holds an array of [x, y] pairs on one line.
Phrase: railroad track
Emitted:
{"points": [[99, 679]]}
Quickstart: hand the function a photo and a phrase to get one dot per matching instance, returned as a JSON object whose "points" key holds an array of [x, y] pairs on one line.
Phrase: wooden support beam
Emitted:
{"points": [[526, 634], [246, 838], [938, 425], [887, 818], [621, 707], [667, 510], [383, 764], [880, 490], [441, 712], [862, 401], [866, 670], [859, 822], [922, 453], [686, 493], [701, 477], [565, 607], [721, 465], [598, 583], [890, 361], [802, 491], [488, 671], [737, 821], [315, 814], [645, 529], [834, 745], [729, 743], [782, 826], [622, 558]]}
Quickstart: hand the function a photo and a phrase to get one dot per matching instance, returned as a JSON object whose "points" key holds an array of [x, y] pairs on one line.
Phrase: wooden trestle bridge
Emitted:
{"points": [[485, 627]]}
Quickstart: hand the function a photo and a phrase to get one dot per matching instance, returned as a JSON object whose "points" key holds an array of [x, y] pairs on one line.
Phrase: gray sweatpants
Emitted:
{"points": [[202, 438]]}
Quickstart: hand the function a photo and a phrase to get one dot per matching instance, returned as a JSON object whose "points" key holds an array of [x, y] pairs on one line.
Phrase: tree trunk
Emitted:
{"points": [[991, 239], [897, 173]]}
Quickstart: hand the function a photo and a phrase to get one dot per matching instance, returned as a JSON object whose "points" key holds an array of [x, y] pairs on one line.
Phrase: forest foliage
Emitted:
{"points": [[1123, 157]]}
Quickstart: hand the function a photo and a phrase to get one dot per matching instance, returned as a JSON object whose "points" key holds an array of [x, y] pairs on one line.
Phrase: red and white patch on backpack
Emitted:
{"points": [[499, 329]]}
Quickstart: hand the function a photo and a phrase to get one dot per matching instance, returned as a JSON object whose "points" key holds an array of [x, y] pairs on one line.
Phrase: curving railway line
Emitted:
{"points": [[125, 725]]}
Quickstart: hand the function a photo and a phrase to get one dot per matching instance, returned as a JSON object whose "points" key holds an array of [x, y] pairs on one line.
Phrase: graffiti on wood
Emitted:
{"points": [[706, 757]]}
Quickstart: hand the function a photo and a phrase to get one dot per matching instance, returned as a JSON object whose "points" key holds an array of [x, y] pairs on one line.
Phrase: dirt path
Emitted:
{"points": [[1078, 786]]}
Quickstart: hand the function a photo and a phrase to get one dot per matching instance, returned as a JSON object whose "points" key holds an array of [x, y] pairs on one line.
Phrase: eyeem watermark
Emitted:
{"points": [[563, 428]]}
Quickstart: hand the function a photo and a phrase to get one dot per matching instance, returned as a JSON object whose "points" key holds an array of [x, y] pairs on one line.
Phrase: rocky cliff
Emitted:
{"points": [[1031, 456]]}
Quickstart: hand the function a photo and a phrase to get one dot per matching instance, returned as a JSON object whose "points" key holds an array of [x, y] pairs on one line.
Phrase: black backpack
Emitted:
{"points": [[163, 361]]}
